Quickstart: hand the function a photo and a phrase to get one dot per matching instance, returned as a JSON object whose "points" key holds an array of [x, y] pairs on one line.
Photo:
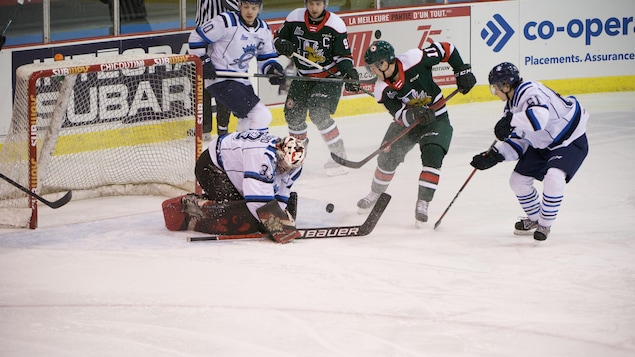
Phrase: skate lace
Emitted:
{"points": [[422, 206]]}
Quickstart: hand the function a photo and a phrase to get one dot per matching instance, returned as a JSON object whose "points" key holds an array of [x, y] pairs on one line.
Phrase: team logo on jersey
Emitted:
{"points": [[298, 31], [418, 99], [314, 54], [249, 52]]}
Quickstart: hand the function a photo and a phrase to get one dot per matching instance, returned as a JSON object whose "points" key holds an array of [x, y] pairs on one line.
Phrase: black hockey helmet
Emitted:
{"points": [[505, 73], [379, 51]]}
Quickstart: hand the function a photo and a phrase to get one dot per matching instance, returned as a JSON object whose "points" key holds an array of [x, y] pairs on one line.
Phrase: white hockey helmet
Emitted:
{"points": [[291, 153]]}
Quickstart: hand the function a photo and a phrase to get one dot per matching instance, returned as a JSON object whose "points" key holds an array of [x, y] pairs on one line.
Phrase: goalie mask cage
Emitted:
{"points": [[121, 125]]}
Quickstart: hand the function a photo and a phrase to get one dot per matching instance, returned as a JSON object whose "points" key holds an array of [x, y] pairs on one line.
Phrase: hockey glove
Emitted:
{"points": [[504, 128], [415, 113], [277, 222], [3, 39], [351, 74], [276, 69], [209, 71], [487, 159], [465, 79], [284, 47]]}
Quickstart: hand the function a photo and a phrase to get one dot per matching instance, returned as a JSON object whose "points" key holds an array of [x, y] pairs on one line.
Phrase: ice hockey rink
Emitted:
{"points": [[103, 277]]}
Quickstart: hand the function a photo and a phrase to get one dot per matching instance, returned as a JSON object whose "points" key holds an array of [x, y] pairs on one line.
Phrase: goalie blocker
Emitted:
{"points": [[195, 213]]}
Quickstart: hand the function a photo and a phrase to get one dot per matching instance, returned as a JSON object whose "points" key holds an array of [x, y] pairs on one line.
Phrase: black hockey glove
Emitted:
{"points": [[209, 71], [3, 39], [503, 127], [276, 69], [487, 159], [465, 79], [351, 74], [415, 113], [284, 47]]}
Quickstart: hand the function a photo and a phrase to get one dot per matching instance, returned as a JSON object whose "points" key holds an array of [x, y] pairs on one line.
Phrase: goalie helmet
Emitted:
{"points": [[379, 51], [505, 73], [291, 153]]}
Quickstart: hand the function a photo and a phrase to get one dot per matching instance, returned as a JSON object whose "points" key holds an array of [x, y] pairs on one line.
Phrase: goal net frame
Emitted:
{"points": [[31, 150]]}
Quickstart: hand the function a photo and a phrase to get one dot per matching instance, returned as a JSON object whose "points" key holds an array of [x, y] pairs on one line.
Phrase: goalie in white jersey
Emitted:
{"points": [[229, 42], [252, 166], [546, 133]]}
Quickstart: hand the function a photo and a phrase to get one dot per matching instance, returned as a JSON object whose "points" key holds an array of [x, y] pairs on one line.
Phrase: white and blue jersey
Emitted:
{"points": [[541, 119], [231, 45], [249, 159]]}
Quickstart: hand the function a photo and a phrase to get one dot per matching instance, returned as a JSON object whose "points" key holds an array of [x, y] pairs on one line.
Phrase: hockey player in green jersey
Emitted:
{"points": [[406, 88], [320, 36]]}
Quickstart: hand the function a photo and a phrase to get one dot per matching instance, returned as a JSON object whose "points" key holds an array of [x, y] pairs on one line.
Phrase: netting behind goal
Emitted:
{"points": [[123, 125]]}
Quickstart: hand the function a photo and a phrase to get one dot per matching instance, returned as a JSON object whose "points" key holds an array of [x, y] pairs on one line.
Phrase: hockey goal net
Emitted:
{"points": [[121, 125]]}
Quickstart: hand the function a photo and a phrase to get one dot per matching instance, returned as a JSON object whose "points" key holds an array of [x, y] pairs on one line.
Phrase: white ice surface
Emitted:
{"points": [[103, 277]]}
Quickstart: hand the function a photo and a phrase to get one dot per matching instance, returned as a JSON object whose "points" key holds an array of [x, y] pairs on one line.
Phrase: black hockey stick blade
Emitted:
{"points": [[53, 204], [310, 233]]}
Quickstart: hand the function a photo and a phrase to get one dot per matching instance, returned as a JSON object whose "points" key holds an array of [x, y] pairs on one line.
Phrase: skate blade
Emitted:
{"points": [[519, 232], [336, 171]]}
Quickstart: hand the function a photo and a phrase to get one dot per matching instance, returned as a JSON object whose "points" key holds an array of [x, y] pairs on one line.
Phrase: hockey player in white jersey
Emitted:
{"points": [[255, 167], [546, 133], [229, 42]]}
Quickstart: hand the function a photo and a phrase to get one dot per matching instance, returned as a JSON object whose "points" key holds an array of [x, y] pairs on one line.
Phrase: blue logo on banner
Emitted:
{"points": [[499, 33]]}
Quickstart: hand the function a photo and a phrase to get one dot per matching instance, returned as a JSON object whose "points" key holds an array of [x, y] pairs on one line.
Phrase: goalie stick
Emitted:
{"points": [[324, 232], [53, 204], [386, 145]]}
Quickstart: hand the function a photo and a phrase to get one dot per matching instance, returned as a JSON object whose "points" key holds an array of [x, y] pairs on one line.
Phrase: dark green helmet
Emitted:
{"points": [[379, 51]]}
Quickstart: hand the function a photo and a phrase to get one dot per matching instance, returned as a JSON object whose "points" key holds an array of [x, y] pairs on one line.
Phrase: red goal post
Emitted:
{"points": [[120, 125]]}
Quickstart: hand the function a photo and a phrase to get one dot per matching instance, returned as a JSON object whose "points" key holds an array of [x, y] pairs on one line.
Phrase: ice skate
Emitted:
{"points": [[334, 169], [525, 226], [421, 213], [541, 232], [365, 204]]}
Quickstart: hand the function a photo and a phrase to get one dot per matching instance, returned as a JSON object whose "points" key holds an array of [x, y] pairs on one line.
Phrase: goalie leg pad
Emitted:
{"points": [[195, 213], [278, 223]]}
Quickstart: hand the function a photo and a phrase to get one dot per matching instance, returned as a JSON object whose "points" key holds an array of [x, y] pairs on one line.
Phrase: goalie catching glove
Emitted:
{"points": [[277, 71], [465, 79]]}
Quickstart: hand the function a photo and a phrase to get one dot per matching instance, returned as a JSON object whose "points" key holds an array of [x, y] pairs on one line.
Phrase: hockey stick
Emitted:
{"points": [[321, 68], [15, 12], [438, 222], [226, 74], [386, 145], [325, 232], [54, 204], [3, 39]]}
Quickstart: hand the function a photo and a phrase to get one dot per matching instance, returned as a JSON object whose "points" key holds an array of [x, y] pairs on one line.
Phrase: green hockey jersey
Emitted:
{"points": [[324, 42]]}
